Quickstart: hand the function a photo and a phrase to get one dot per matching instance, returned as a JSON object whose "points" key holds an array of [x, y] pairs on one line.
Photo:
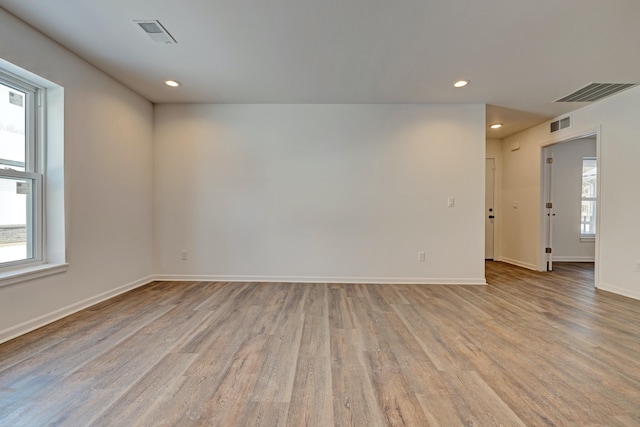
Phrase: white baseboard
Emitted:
{"points": [[620, 291], [574, 258], [320, 279], [38, 322], [518, 263]]}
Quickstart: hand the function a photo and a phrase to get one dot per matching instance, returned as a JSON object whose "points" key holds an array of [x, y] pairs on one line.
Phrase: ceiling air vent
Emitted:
{"points": [[595, 91], [563, 123], [156, 31]]}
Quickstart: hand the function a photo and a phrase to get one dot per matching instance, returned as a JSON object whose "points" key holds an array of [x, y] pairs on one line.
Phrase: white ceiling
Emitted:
{"points": [[519, 56]]}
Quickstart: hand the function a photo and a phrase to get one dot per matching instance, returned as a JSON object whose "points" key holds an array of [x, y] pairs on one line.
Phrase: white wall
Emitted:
{"points": [[618, 242], [519, 201], [320, 192], [494, 149], [567, 200], [108, 173]]}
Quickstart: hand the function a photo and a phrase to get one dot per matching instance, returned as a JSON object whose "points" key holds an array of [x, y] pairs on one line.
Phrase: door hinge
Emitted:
{"points": [[549, 205], [547, 250], [549, 159]]}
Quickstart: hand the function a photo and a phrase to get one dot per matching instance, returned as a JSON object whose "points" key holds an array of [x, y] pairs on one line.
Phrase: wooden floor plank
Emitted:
{"points": [[397, 402], [228, 405], [140, 404], [529, 348], [275, 377], [354, 400], [312, 402]]}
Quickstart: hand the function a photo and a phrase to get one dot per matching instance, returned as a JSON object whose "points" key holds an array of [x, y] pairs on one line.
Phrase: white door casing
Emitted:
{"points": [[549, 206], [489, 216]]}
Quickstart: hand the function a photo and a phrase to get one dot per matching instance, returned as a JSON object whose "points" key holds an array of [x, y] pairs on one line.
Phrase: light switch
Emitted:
{"points": [[451, 202]]}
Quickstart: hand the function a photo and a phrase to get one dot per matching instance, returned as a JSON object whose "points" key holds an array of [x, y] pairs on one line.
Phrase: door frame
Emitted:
{"points": [[566, 136], [495, 205]]}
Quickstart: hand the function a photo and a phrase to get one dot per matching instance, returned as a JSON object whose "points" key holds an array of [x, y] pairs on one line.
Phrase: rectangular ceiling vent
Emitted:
{"points": [[156, 31], [595, 91], [563, 123]]}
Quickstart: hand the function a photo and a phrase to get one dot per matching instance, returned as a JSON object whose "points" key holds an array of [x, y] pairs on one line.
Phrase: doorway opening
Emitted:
{"points": [[569, 203]]}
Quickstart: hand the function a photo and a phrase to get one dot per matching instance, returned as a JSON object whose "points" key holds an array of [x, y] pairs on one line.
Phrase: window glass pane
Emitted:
{"points": [[589, 177], [12, 128], [16, 219], [588, 224]]}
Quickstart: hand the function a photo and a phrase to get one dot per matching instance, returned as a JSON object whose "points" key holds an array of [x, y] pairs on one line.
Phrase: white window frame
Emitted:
{"points": [[588, 237], [34, 167]]}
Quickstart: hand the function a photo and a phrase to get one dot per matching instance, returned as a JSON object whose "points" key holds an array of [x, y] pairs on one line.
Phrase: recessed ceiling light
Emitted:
{"points": [[172, 83], [461, 83], [496, 126]]}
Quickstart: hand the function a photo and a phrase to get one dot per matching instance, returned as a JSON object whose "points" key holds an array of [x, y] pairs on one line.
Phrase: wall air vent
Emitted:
{"points": [[595, 91], [563, 123], [156, 31]]}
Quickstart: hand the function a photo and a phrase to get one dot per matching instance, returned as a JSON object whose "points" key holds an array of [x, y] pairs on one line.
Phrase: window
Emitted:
{"points": [[589, 185], [32, 196], [21, 231]]}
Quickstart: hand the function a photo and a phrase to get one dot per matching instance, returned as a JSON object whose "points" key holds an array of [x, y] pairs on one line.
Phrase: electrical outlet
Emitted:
{"points": [[184, 255], [421, 256]]}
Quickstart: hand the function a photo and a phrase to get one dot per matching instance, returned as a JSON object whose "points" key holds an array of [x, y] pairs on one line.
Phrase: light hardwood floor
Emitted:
{"points": [[528, 349]]}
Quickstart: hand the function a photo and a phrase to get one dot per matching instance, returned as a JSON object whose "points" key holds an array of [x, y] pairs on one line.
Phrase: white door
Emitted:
{"points": [[489, 216]]}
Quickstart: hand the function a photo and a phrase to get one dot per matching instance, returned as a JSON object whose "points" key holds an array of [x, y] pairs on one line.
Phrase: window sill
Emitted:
{"points": [[588, 239], [11, 277]]}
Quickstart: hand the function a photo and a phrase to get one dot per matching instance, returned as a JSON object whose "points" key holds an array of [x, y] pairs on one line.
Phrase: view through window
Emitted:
{"points": [[19, 182], [589, 185]]}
